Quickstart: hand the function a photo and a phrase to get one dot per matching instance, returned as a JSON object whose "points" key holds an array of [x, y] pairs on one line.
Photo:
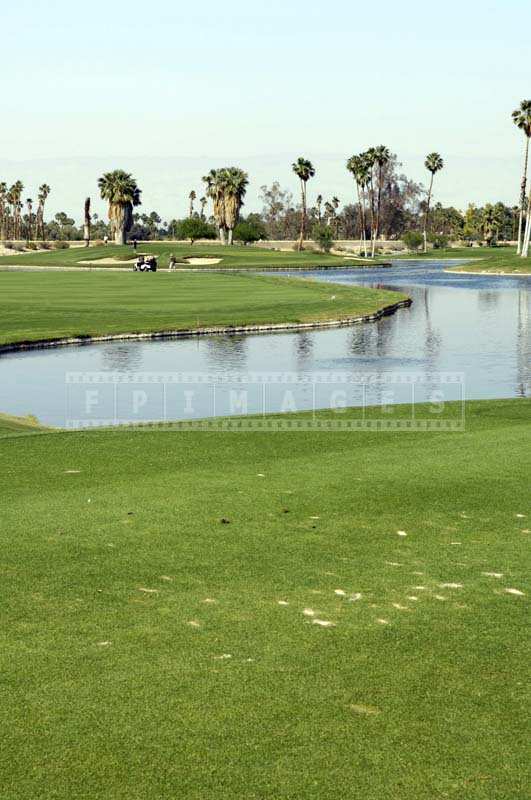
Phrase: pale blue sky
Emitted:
{"points": [[168, 89]]}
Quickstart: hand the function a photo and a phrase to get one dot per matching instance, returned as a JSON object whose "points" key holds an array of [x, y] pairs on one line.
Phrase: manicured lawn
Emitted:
{"points": [[151, 651], [484, 259], [231, 257], [37, 305]]}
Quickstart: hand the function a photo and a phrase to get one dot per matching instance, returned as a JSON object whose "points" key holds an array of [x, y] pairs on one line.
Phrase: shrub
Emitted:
{"points": [[413, 239], [44, 246], [8, 245], [60, 245], [249, 231], [194, 228], [323, 236], [438, 240]]}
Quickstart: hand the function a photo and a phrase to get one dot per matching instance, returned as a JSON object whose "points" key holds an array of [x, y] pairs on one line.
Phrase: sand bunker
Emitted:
{"points": [[200, 262]]}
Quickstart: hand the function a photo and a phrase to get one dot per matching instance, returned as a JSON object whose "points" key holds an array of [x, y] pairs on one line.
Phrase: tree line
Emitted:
{"points": [[386, 205]]}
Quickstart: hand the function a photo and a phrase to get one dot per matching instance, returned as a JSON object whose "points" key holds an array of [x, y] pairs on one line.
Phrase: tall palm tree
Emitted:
{"points": [[329, 212], [120, 190], [215, 190], [16, 192], [522, 119], [382, 159], [433, 164], [370, 160], [29, 206], [192, 196], [3, 209], [44, 191], [304, 170], [235, 182], [203, 200], [319, 203], [87, 222], [357, 165], [10, 211]]}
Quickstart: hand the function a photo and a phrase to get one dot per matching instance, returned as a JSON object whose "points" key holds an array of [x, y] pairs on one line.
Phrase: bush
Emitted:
{"points": [[438, 240], [8, 245], [44, 246], [60, 245], [413, 239], [31, 246], [323, 236], [249, 231], [194, 228]]}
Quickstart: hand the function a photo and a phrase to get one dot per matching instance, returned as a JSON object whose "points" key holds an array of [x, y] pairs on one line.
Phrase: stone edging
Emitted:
{"points": [[231, 329]]}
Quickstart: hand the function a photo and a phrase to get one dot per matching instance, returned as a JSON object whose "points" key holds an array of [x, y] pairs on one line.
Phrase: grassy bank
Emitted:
{"points": [[230, 257], [36, 306], [151, 650], [482, 259]]}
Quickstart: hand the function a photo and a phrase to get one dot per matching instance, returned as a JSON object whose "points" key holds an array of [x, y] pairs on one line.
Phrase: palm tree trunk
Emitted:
{"points": [[527, 235], [522, 198], [300, 244], [230, 236], [222, 236], [364, 221], [378, 208], [371, 202], [427, 215]]}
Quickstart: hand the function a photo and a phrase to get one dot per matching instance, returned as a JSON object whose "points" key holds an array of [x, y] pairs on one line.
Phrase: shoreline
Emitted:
{"points": [[185, 268], [41, 344], [489, 272]]}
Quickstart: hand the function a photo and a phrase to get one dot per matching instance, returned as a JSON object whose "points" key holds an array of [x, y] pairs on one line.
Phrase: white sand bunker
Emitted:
{"points": [[202, 262]]}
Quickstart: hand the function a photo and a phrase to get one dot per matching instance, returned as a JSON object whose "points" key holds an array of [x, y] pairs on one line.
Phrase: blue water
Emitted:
{"points": [[474, 327]]}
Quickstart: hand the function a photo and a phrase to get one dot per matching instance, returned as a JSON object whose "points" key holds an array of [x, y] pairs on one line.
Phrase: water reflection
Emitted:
{"points": [[478, 326]]}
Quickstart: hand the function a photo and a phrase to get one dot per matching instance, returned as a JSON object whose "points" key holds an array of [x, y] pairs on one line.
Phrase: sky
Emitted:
{"points": [[168, 90]]}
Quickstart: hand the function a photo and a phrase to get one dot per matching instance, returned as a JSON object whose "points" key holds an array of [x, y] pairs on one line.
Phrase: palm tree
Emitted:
{"points": [[522, 119], [44, 191], [357, 165], [215, 190], [319, 203], [3, 209], [192, 196], [235, 182], [120, 190], [382, 159], [203, 200], [10, 211], [86, 224], [304, 170], [370, 160], [329, 212], [433, 164], [29, 206], [16, 193]]}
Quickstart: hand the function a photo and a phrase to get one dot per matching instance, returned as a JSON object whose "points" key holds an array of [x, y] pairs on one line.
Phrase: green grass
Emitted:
{"points": [[112, 542], [483, 259], [237, 257], [10, 425], [36, 306]]}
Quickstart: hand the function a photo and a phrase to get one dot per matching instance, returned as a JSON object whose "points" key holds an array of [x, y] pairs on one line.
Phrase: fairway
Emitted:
{"points": [[356, 628], [46, 306], [236, 257]]}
